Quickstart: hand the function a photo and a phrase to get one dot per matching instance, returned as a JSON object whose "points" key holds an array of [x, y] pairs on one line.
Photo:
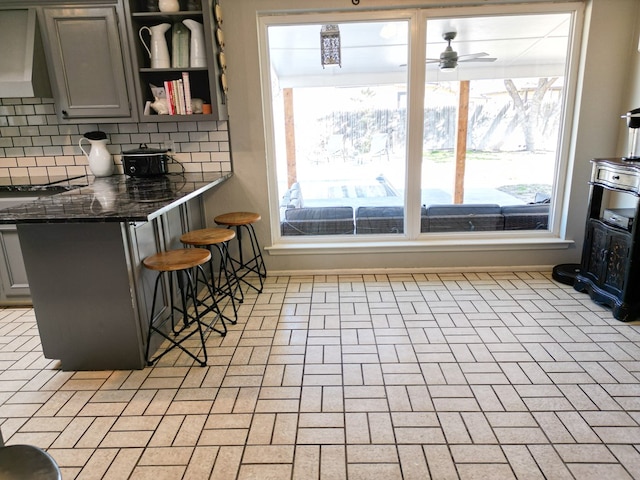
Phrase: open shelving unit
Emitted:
{"points": [[206, 82]]}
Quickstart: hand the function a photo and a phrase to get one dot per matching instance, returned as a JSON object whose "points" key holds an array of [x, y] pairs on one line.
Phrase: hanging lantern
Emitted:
{"points": [[330, 45]]}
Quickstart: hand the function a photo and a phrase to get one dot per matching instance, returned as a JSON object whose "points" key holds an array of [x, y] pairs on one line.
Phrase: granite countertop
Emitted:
{"points": [[41, 185], [118, 198]]}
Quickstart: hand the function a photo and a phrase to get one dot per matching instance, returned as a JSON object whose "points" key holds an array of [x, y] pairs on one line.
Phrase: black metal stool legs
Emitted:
{"points": [[213, 306], [187, 320], [255, 264], [228, 283]]}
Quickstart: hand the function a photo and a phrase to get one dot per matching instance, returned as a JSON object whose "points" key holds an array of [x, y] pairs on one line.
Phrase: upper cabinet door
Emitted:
{"points": [[87, 63]]}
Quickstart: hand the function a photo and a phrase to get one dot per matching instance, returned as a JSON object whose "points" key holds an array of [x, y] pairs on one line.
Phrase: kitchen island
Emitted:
{"points": [[83, 250]]}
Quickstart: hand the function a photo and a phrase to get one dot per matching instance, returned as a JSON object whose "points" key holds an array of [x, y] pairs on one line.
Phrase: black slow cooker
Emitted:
{"points": [[145, 162]]}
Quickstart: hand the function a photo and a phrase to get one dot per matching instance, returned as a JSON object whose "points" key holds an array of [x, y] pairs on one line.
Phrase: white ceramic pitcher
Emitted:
{"points": [[197, 54], [158, 51], [100, 161]]}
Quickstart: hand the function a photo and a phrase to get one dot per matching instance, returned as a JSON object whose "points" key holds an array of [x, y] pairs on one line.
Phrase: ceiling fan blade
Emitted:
{"points": [[481, 59], [474, 55], [433, 60]]}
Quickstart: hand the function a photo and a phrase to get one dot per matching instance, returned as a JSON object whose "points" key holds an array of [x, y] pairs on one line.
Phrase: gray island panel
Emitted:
{"points": [[81, 290]]}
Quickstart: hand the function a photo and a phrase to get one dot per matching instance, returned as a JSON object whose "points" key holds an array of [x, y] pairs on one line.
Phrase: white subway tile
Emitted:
{"points": [[19, 172], [53, 151], [25, 110], [31, 137], [168, 127], [30, 131], [34, 151], [18, 120], [27, 162], [8, 162], [15, 152], [188, 126]]}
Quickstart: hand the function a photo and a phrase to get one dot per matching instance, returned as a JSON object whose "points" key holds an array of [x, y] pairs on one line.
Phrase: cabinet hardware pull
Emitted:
{"points": [[65, 113], [616, 177]]}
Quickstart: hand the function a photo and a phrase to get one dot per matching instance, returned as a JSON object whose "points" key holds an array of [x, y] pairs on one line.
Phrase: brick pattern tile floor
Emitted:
{"points": [[431, 376]]}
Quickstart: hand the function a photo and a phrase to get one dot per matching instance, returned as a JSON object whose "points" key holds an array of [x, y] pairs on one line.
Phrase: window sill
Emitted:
{"points": [[432, 243]]}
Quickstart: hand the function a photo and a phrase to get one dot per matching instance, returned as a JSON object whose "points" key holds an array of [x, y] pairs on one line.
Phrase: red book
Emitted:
{"points": [[187, 92], [168, 89]]}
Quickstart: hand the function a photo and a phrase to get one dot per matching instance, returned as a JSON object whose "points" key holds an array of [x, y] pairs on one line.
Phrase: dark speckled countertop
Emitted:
{"points": [[38, 185], [118, 198]]}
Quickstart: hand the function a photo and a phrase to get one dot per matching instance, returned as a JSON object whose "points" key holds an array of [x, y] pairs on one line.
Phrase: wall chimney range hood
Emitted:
{"points": [[23, 68]]}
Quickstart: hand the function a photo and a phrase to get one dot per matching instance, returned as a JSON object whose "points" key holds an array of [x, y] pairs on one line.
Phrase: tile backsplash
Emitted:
{"points": [[34, 144]]}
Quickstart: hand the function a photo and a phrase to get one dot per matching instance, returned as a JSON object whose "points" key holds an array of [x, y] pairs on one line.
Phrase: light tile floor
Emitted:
{"points": [[451, 376]]}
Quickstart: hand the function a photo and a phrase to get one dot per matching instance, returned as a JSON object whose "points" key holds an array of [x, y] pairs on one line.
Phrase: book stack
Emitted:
{"points": [[178, 93]]}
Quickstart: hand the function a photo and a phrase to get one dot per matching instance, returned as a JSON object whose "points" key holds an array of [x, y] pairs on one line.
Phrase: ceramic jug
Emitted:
{"points": [[100, 161], [158, 51], [197, 54]]}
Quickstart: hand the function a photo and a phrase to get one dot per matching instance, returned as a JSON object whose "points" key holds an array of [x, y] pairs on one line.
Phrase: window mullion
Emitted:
{"points": [[415, 122]]}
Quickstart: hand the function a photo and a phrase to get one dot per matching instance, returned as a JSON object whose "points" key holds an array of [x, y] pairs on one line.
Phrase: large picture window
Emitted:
{"points": [[411, 126]]}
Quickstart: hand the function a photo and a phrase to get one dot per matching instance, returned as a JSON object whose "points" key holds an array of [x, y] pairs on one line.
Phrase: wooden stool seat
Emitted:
{"points": [[234, 219], [179, 259], [207, 236]]}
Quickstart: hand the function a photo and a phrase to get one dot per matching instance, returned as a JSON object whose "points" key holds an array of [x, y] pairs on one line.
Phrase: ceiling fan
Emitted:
{"points": [[449, 58]]}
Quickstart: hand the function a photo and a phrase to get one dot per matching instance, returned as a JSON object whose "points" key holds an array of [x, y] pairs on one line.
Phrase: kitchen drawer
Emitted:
{"points": [[615, 178]]}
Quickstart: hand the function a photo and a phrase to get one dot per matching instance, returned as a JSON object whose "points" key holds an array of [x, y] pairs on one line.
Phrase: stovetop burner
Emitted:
{"points": [[39, 181]]}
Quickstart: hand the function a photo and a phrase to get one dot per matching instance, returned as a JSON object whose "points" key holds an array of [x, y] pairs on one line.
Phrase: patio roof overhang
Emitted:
{"points": [[377, 51]]}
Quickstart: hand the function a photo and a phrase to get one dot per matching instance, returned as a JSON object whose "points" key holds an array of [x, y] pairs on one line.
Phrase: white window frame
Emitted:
{"points": [[413, 239]]}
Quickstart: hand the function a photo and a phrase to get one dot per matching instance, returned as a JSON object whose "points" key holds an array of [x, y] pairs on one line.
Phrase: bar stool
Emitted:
{"points": [[227, 284], [255, 264], [181, 262], [18, 462]]}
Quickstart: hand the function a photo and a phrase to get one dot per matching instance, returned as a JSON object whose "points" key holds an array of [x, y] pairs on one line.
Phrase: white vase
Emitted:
{"points": [[158, 51], [100, 161], [169, 5], [197, 53]]}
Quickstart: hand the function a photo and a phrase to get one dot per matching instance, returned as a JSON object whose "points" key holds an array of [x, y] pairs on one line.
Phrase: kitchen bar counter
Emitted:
{"points": [[83, 250], [118, 198]]}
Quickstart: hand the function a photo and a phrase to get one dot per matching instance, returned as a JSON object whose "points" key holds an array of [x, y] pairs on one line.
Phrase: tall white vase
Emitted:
{"points": [[100, 161], [197, 54], [158, 51]]}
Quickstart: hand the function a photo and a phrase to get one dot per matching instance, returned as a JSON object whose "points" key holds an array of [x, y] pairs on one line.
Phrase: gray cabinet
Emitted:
{"points": [[88, 62], [610, 271], [608, 256], [14, 287]]}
